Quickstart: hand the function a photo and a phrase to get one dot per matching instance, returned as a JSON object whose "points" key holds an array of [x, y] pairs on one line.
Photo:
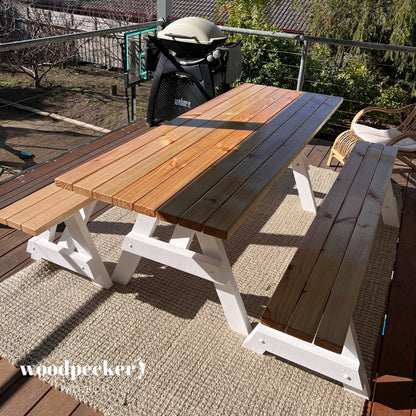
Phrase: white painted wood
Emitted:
{"points": [[66, 239], [182, 237], [179, 258], [129, 260], [300, 171], [76, 252], [211, 265], [389, 210], [346, 368], [84, 244], [227, 290]]}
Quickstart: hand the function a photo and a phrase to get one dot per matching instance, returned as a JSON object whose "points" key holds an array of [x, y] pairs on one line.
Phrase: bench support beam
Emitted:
{"points": [[212, 264], [346, 368], [74, 251]]}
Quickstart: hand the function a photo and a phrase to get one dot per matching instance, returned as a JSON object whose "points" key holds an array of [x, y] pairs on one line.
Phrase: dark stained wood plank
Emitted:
{"points": [[83, 410], [394, 385], [9, 374], [283, 302], [238, 206], [22, 396], [45, 174], [55, 403], [344, 293]]}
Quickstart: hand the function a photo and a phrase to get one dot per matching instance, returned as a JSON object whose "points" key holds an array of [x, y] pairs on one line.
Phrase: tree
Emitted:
{"points": [[386, 21], [20, 21]]}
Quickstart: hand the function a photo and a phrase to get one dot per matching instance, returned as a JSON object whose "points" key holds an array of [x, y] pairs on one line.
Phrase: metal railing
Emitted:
{"points": [[299, 73]]}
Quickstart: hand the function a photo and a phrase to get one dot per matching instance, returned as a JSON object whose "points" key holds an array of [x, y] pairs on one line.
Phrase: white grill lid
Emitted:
{"points": [[192, 30]]}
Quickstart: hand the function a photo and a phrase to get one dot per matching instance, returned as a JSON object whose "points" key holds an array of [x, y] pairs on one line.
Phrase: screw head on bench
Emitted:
{"points": [[262, 341], [347, 377]]}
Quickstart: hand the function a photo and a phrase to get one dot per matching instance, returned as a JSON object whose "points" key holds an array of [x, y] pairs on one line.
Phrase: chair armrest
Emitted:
{"points": [[409, 135], [381, 110]]}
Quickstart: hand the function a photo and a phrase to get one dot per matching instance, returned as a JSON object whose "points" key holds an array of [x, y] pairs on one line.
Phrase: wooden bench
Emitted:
{"points": [[308, 319], [38, 215]]}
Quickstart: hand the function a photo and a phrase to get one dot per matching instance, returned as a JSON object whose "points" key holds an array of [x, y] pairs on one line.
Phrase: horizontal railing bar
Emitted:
{"points": [[22, 44], [316, 39]]}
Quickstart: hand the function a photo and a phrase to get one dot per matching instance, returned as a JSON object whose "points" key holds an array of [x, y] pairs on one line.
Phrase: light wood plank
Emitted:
{"points": [[205, 128], [48, 211], [69, 178], [26, 202], [193, 160]]}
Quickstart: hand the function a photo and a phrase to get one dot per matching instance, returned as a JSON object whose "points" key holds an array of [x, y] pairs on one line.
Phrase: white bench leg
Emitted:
{"points": [[211, 265], [75, 251], [389, 210], [346, 368], [300, 171]]}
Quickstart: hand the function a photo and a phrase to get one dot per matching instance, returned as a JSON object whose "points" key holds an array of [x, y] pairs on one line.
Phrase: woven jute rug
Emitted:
{"points": [[171, 327]]}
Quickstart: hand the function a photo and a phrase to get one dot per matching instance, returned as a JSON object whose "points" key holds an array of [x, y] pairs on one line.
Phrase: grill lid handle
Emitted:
{"points": [[173, 35]]}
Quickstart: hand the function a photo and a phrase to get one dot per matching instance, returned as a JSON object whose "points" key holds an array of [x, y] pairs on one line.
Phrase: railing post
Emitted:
{"points": [[164, 10], [302, 68]]}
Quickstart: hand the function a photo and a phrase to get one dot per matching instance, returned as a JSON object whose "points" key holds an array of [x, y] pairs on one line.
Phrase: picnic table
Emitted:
{"points": [[204, 172]]}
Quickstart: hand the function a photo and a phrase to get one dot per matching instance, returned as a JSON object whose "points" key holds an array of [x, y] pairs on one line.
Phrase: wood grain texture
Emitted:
{"points": [[316, 297]]}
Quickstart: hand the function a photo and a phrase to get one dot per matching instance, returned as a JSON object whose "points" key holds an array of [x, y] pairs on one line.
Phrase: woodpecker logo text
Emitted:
{"points": [[74, 371]]}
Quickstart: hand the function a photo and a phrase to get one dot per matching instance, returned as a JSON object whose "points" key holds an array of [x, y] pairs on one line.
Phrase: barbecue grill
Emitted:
{"points": [[189, 59]]}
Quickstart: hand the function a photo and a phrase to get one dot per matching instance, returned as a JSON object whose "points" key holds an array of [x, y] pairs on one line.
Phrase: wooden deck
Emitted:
{"points": [[394, 371]]}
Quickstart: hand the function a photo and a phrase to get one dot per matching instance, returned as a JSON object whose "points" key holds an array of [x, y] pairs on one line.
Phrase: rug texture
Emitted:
{"points": [[171, 326]]}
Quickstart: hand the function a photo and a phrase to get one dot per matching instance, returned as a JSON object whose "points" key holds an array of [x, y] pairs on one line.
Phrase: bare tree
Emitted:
{"points": [[19, 20]]}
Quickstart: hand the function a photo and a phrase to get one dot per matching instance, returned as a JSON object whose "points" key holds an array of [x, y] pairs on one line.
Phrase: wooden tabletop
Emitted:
{"points": [[208, 168]]}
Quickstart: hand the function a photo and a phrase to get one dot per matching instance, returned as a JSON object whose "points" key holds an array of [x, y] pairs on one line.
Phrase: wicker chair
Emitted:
{"points": [[403, 136]]}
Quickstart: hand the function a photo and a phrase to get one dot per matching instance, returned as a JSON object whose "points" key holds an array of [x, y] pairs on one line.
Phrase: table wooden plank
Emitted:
{"points": [[173, 209], [229, 215], [74, 176], [307, 314], [284, 300], [344, 293], [192, 136], [176, 173]]}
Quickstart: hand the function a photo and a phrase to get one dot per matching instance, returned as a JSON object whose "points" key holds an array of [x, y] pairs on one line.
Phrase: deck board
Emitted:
{"points": [[394, 393]]}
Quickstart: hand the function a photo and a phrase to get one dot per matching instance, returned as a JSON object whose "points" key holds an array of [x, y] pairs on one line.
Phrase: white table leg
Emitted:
{"points": [[211, 265], [300, 170], [227, 289], [129, 261]]}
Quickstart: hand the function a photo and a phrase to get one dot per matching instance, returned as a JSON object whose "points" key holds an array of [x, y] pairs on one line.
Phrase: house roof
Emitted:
{"points": [[283, 15]]}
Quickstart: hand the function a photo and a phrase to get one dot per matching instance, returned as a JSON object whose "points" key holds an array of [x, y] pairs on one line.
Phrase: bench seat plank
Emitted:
{"points": [[42, 209], [329, 264], [309, 308], [344, 294]]}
